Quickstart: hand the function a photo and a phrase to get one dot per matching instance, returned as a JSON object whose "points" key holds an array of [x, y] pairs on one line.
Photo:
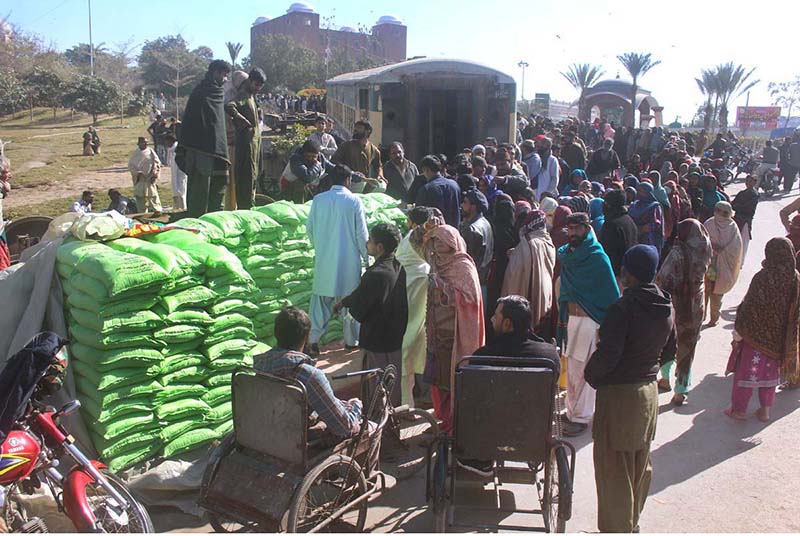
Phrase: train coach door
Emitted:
{"points": [[445, 121]]}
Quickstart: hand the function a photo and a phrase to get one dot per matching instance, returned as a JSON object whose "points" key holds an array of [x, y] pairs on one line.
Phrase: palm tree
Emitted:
{"points": [[233, 49], [637, 65], [731, 79], [707, 86], [582, 76]]}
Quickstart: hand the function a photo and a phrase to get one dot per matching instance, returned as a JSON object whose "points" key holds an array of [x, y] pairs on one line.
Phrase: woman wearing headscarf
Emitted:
{"points": [[579, 204], [682, 275], [417, 270], [597, 216], [454, 318], [794, 234], [548, 205], [630, 195], [576, 177], [531, 266], [726, 260], [677, 210], [597, 189], [646, 212], [585, 188], [711, 196], [631, 181], [559, 231], [766, 332], [521, 210], [658, 190]]}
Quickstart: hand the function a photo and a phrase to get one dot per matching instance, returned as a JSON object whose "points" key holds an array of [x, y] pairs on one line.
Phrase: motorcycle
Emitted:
{"points": [[770, 181], [34, 442]]}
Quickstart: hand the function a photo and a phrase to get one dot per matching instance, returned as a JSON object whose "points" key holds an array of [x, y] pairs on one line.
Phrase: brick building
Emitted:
{"points": [[386, 41]]}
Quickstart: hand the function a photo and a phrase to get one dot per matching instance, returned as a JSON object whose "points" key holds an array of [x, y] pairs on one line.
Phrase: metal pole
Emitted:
{"points": [[91, 45], [523, 64]]}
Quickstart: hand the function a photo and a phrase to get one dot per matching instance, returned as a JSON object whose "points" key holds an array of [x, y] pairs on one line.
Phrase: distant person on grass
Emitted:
{"points": [[91, 142], [203, 144], [84, 204], [122, 204], [145, 167]]}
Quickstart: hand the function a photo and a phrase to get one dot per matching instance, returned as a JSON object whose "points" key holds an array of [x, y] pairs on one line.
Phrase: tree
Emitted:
{"points": [[707, 86], [582, 76], [44, 88], [93, 95], [731, 79], [785, 95], [80, 55], [234, 49], [637, 65], [285, 63], [169, 66], [12, 92]]}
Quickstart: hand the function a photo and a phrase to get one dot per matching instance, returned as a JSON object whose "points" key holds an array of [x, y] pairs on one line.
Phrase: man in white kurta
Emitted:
{"points": [[337, 228], [178, 178], [414, 340], [145, 167]]}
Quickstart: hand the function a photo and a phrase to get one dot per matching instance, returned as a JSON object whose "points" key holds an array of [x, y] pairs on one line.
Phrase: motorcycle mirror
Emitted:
{"points": [[69, 408]]}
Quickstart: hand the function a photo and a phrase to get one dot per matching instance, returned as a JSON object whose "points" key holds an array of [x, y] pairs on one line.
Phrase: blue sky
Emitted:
{"points": [[549, 35]]}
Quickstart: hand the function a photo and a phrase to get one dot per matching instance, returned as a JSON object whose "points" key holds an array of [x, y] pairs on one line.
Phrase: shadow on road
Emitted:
{"points": [[713, 438]]}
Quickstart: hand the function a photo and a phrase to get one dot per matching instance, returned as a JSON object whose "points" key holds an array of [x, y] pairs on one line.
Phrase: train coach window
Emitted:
{"points": [[363, 99]]}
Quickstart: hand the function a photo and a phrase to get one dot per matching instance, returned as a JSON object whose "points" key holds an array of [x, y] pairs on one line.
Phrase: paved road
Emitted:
{"points": [[711, 474]]}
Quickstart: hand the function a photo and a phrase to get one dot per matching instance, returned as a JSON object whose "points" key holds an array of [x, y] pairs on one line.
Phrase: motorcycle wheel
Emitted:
{"points": [[133, 520]]}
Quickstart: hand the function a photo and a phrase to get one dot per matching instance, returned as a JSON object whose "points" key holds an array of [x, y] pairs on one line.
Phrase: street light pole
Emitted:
{"points": [[91, 45], [523, 65]]}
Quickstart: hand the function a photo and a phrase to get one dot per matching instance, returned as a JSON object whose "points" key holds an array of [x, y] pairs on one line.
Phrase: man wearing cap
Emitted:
{"points": [[636, 336], [477, 233], [145, 167], [243, 112], [588, 288]]}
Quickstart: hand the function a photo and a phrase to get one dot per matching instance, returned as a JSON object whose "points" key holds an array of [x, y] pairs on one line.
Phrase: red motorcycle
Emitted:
{"points": [[34, 443]]}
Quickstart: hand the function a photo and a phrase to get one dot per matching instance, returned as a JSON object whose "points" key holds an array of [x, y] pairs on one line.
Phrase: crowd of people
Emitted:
{"points": [[618, 264], [288, 104]]}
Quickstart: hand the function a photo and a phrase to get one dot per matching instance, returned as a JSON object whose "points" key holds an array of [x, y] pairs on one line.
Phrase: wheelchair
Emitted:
{"points": [[267, 476], [505, 410]]}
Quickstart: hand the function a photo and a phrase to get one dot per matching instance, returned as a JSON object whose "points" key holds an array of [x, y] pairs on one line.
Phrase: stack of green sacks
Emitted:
{"points": [[116, 357]]}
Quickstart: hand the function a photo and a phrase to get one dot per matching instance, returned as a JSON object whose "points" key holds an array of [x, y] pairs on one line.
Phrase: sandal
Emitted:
{"points": [[733, 415], [664, 386], [678, 399], [760, 414]]}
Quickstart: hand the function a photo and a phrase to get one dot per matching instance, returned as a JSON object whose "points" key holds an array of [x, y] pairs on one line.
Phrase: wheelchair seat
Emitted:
{"points": [[504, 407]]}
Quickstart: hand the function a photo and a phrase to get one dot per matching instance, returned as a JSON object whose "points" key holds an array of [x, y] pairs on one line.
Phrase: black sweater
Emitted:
{"points": [[636, 337], [619, 233], [379, 303]]}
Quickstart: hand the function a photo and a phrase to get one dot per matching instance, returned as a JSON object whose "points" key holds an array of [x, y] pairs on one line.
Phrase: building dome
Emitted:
{"points": [[260, 20], [301, 7], [389, 19], [348, 29]]}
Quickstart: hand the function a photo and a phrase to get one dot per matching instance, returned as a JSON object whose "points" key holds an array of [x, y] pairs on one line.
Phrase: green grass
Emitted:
{"points": [[59, 145]]}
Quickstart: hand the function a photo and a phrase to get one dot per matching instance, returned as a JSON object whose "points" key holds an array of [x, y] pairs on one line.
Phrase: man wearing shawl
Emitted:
{"points": [[682, 275], [766, 329], [417, 270], [619, 232], [588, 288], [247, 135], [745, 204], [454, 321], [646, 211], [635, 337], [203, 143], [530, 272], [726, 260]]}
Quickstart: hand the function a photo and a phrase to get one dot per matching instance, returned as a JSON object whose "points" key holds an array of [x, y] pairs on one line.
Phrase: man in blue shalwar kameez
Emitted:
{"points": [[337, 228]]}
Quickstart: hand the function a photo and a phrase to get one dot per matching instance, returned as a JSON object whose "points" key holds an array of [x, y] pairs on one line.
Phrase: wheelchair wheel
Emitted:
{"points": [[328, 487], [223, 524], [557, 499], [412, 433], [439, 489]]}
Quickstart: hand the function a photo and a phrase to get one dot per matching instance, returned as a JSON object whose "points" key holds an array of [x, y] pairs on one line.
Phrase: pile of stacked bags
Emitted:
{"points": [[159, 323]]}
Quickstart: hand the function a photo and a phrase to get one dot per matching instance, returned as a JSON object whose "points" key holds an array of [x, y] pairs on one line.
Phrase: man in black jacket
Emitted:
{"points": [[619, 232], [636, 336], [380, 304], [511, 323]]}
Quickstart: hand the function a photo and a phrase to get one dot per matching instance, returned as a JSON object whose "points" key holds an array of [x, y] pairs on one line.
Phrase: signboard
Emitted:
{"points": [[758, 116], [541, 104]]}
